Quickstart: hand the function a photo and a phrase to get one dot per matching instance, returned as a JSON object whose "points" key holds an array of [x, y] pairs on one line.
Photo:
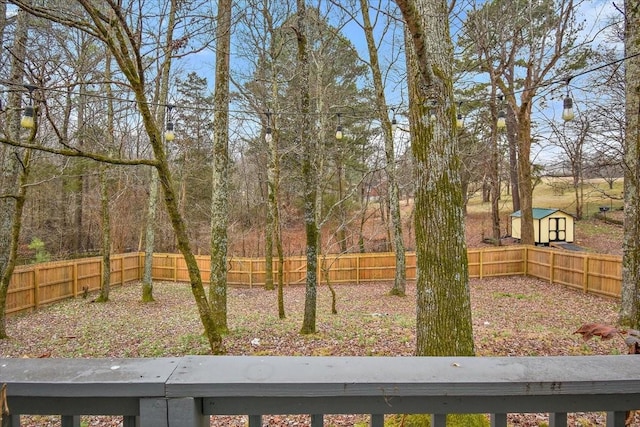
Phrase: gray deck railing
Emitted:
{"points": [[185, 391]]}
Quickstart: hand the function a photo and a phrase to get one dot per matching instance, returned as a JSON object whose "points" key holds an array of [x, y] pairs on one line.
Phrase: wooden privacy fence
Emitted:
{"points": [[38, 284]]}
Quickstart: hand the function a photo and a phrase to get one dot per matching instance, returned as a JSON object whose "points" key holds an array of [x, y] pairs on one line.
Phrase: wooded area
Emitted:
{"points": [[251, 118]]}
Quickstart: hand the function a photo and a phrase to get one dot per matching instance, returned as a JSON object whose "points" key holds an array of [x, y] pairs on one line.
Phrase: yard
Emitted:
{"points": [[516, 316]]}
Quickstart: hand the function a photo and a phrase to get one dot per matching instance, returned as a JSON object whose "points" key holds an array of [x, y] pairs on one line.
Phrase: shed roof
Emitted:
{"points": [[539, 213]]}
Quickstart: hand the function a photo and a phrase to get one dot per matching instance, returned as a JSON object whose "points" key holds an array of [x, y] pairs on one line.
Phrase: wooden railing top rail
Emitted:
{"points": [[185, 391]]}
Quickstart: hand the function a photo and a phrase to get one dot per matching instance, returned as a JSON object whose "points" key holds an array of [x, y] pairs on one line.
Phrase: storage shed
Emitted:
{"points": [[549, 225]]}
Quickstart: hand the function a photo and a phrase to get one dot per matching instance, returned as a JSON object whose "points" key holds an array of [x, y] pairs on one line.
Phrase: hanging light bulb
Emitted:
{"points": [[394, 122], [339, 129], [502, 120], [268, 134], [459, 121], [567, 110], [169, 134], [28, 121], [567, 107]]}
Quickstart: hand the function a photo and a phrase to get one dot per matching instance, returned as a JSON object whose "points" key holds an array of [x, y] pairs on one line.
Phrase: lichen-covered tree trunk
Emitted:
{"points": [[14, 172], [308, 174], [443, 299], [10, 237], [630, 304], [150, 236], [162, 93], [105, 284], [513, 160], [220, 183], [525, 183], [400, 278]]}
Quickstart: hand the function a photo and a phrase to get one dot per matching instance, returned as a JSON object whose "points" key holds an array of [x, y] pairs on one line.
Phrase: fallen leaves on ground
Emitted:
{"points": [[512, 316]]}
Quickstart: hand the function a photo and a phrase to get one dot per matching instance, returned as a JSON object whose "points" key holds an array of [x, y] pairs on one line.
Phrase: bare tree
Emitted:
{"points": [[15, 168], [400, 278], [522, 45], [112, 28]]}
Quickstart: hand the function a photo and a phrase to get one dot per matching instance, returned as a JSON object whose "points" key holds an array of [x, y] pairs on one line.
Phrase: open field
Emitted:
{"points": [[592, 234]]}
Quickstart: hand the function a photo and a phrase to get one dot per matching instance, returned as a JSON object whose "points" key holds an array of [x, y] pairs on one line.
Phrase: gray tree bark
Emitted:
{"points": [[443, 299], [15, 170], [308, 173], [630, 303], [105, 284], [220, 182]]}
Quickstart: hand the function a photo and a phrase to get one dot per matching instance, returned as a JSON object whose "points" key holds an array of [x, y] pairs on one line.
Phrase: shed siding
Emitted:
{"points": [[543, 227]]}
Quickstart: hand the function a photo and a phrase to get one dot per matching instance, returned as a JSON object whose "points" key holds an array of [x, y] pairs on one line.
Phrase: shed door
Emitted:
{"points": [[557, 229]]}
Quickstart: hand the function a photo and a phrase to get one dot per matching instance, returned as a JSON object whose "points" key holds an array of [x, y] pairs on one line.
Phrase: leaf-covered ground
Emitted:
{"points": [[514, 316]]}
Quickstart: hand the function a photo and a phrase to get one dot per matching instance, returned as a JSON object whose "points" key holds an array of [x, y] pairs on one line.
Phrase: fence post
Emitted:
{"points": [[585, 275], [526, 261], [36, 287], [551, 265], [358, 255], [122, 270], [175, 267], [74, 276], [141, 260], [480, 260]]}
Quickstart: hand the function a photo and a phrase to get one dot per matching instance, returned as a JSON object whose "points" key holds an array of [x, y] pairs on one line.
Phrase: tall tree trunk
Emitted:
{"points": [[220, 183], [150, 236], [443, 299], [630, 304], [15, 169], [308, 174], [400, 278], [105, 285], [494, 169], [513, 159], [162, 94], [525, 183]]}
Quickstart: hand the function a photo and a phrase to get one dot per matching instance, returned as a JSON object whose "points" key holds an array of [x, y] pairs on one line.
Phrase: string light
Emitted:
{"points": [[567, 107], [459, 119], [394, 122], [169, 134], [502, 117], [27, 121], [364, 113], [268, 137], [339, 129]]}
